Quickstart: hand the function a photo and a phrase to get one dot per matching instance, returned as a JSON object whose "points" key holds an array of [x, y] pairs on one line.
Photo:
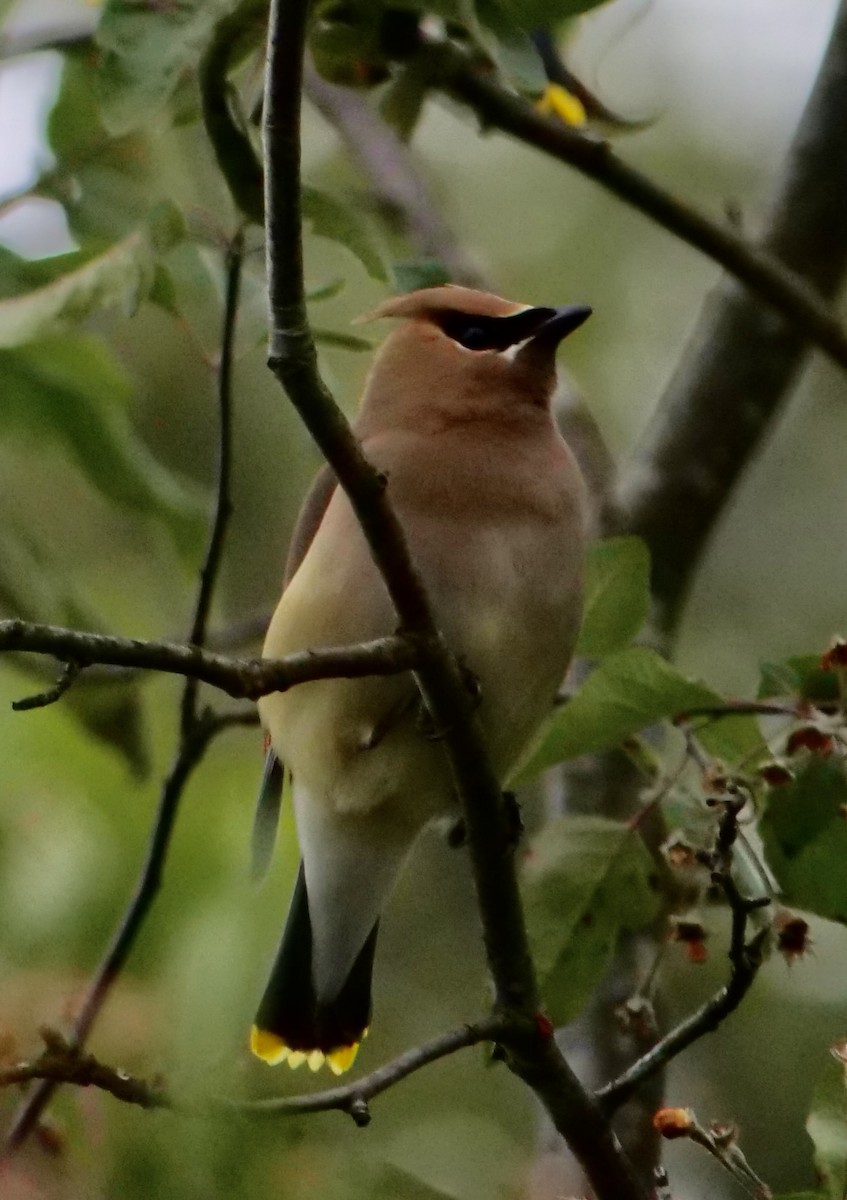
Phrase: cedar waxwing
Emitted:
{"points": [[456, 414]]}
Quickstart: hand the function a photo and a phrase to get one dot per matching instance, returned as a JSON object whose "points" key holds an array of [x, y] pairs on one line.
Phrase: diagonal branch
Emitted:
{"points": [[780, 284], [745, 960], [743, 360], [531, 1049]]}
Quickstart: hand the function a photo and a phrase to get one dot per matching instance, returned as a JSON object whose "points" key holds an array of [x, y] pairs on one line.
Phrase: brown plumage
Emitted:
{"points": [[456, 413]]}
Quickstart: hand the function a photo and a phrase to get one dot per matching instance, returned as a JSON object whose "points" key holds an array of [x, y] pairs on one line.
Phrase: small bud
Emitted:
{"points": [[809, 737], [792, 935], [835, 656], [679, 854], [673, 1122], [716, 779], [724, 1134], [692, 935], [638, 1017], [776, 773]]}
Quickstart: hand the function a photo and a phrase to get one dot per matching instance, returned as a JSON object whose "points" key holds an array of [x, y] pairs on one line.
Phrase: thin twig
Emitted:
{"points": [[70, 672], [61, 1062], [223, 501], [241, 678], [196, 732], [742, 361], [531, 1049], [353, 1098], [757, 268], [745, 959]]}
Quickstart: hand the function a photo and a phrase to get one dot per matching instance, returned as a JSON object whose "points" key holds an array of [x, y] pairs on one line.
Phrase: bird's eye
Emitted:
{"points": [[470, 332], [473, 338]]}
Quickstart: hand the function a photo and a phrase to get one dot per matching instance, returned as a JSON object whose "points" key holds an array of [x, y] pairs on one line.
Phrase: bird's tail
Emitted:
{"points": [[292, 1025]]}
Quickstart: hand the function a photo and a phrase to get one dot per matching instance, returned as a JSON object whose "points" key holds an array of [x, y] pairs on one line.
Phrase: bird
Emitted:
{"points": [[456, 414]]}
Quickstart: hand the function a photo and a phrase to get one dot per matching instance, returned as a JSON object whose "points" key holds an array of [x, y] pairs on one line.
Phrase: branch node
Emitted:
{"points": [[360, 1112], [70, 672]]}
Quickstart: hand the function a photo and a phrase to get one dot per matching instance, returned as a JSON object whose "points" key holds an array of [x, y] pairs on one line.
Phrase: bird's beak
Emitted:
{"points": [[562, 322]]}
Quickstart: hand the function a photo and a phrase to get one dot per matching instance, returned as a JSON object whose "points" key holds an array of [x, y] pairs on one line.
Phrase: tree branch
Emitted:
{"points": [[353, 1098], [532, 1051], [743, 360], [780, 284], [745, 960], [241, 678], [61, 1062]]}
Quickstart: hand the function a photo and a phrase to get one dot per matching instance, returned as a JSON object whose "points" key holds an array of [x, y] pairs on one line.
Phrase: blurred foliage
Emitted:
{"points": [[107, 414], [585, 879], [827, 1126]]}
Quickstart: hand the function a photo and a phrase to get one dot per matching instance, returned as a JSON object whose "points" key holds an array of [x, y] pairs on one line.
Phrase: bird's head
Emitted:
{"points": [[461, 355]]}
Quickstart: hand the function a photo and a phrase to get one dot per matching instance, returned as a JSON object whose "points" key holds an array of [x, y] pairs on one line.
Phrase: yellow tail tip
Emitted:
{"points": [[268, 1046], [271, 1049]]}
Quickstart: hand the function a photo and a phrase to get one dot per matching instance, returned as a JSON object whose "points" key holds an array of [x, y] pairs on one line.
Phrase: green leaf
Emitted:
{"points": [[827, 1127], [147, 51], [617, 595], [119, 277], [512, 47], [804, 832], [584, 880], [32, 587], [332, 219], [105, 184], [799, 676], [628, 691], [71, 389]]}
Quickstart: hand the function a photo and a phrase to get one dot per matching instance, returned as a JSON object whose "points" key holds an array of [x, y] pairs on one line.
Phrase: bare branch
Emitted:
{"points": [[353, 1098], [743, 360], [745, 959], [70, 671], [62, 1062], [241, 678], [719, 1140], [758, 268], [223, 502]]}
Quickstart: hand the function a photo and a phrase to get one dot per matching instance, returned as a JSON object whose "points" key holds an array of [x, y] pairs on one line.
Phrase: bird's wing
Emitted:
{"points": [[309, 519], [266, 817], [269, 801]]}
